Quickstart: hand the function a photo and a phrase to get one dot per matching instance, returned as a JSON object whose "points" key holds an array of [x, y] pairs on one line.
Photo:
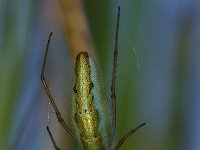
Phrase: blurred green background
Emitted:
{"points": [[158, 73]]}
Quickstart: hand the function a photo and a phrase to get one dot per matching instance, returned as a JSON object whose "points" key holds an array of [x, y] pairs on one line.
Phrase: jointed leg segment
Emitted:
{"points": [[52, 139], [123, 139], [58, 114], [113, 93]]}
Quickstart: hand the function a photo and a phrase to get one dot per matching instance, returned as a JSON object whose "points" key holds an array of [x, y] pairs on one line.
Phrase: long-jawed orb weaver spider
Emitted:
{"points": [[93, 120]]}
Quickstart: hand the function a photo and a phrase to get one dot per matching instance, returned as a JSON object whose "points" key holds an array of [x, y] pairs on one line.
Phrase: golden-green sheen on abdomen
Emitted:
{"points": [[91, 114]]}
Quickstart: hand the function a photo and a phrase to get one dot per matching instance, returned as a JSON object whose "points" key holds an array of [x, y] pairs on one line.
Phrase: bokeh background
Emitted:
{"points": [[158, 73]]}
